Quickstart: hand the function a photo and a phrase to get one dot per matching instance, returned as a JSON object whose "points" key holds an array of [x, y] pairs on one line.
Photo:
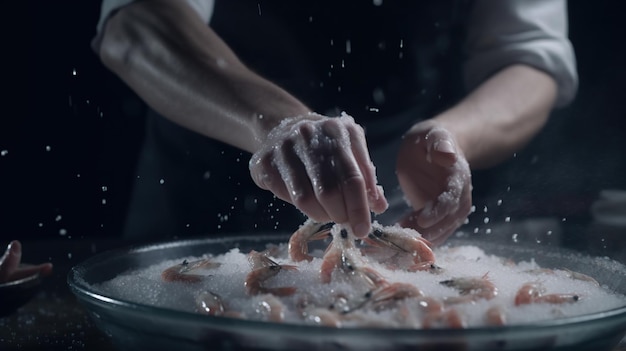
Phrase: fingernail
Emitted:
{"points": [[14, 247], [444, 146], [361, 230]]}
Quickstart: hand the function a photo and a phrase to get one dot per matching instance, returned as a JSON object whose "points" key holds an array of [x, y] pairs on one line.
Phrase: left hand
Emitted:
{"points": [[436, 180], [10, 268]]}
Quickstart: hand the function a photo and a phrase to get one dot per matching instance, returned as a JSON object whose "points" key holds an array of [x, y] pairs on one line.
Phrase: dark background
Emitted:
{"points": [[66, 165]]}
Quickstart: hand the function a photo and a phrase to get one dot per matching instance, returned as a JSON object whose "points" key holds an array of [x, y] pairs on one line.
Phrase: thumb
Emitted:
{"points": [[443, 152]]}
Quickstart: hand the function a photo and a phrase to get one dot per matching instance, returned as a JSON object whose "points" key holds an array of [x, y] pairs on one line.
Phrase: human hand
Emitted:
{"points": [[436, 180], [10, 268], [322, 166]]}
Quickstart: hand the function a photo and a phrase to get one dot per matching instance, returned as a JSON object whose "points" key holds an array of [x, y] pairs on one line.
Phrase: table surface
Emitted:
{"points": [[54, 319]]}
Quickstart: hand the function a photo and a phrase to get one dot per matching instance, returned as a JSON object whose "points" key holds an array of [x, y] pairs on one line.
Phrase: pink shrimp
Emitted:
{"points": [[263, 268], [405, 241], [447, 318], [471, 289], [181, 272], [342, 254], [534, 293], [309, 231]]}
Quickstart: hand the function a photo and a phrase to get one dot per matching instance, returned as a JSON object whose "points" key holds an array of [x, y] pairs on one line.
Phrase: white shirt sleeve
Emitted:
{"points": [[204, 8], [532, 32]]}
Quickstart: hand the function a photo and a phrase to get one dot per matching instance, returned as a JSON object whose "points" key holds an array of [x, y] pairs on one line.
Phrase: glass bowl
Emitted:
{"points": [[137, 326]]}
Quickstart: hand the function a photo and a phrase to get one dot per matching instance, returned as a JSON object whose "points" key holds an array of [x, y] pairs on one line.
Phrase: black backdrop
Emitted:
{"points": [[65, 166]]}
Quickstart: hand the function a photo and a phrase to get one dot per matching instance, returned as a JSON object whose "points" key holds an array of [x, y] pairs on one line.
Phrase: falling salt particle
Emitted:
{"points": [[77, 175], [259, 6], [187, 225], [348, 47], [339, 88], [499, 202], [378, 2], [48, 148], [69, 255], [343, 64], [538, 241], [514, 237], [508, 188], [466, 221], [563, 219], [74, 72], [206, 175], [161, 181], [260, 116], [485, 209], [488, 231], [40, 225], [507, 219], [486, 220], [104, 188], [332, 42], [57, 218], [476, 230], [310, 19], [514, 154], [401, 43], [473, 209], [549, 233], [379, 96], [373, 109], [104, 201], [62, 232], [4, 152]]}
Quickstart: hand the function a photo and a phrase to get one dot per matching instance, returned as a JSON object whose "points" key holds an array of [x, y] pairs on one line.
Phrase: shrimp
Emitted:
{"points": [[343, 254], [495, 316], [447, 318], [212, 304], [401, 241], [309, 231], [471, 289], [534, 293], [263, 268], [180, 272], [269, 308], [391, 293]]}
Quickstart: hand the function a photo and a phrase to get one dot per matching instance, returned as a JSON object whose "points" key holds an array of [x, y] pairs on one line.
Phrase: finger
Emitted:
{"points": [[375, 195], [10, 260], [440, 231], [436, 234], [299, 183], [441, 147], [352, 181], [446, 203], [266, 176], [356, 202], [44, 269]]}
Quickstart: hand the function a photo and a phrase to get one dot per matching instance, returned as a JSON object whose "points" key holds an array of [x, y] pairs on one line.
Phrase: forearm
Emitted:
{"points": [[502, 115], [184, 71]]}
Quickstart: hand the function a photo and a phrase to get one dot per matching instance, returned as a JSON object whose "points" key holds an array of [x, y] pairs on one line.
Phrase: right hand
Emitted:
{"points": [[322, 166]]}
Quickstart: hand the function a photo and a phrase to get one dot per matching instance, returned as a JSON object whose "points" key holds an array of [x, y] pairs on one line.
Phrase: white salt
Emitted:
{"points": [[227, 281]]}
